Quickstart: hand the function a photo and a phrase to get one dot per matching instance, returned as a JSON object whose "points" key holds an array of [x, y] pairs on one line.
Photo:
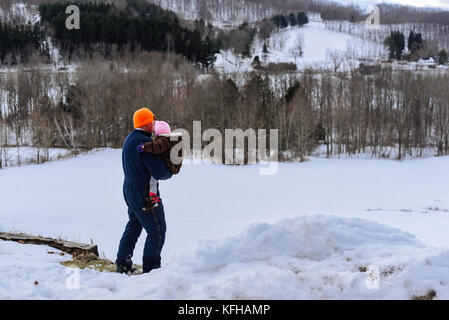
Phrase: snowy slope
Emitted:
{"points": [[321, 48]]}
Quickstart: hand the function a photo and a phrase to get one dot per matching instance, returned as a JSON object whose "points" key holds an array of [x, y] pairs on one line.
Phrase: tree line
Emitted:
{"points": [[399, 14], [389, 13], [281, 21], [417, 48], [386, 115]]}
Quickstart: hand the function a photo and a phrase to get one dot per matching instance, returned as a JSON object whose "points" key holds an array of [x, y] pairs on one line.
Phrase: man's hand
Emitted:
{"points": [[140, 147]]}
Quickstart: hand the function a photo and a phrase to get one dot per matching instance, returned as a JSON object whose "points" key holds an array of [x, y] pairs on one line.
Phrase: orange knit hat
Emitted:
{"points": [[142, 117]]}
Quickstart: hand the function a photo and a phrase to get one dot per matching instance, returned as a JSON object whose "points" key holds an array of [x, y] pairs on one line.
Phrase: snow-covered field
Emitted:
{"points": [[305, 232]]}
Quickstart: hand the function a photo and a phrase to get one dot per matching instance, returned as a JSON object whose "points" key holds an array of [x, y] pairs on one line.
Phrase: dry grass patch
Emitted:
{"points": [[91, 261]]}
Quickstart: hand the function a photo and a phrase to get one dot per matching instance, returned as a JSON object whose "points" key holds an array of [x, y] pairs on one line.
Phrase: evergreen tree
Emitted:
{"points": [[194, 46], [265, 48], [280, 21], [415, 42], [284, 22], [256, 63], [276, 21], [396, 44], [292, 19], [207, 52], [289, 95], [442, 57], [302, 18]]}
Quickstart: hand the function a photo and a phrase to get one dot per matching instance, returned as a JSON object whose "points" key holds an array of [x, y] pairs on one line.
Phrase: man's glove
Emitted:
{"points": [[140, 147]]}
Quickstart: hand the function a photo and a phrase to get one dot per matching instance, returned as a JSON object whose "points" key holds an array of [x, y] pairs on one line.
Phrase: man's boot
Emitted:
{"points": [[128, 268]]}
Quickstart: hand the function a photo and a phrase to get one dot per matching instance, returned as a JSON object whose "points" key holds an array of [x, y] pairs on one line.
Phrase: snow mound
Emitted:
{"points": [[314, 238], [319, 257], [316, 257]]}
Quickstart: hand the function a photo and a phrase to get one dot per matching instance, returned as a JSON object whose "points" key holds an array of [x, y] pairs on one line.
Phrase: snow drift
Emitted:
{"points": [[319, 257]]}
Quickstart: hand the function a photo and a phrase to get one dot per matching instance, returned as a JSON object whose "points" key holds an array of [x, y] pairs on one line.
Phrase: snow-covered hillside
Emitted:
{"points": [[300, 238], [321, 48]]}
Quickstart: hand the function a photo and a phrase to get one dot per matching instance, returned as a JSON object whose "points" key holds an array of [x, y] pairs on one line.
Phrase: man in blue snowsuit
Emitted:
{"points": [[138, 168]]}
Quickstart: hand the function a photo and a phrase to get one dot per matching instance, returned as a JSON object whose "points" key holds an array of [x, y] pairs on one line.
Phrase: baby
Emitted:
{"points": [[162, 145]]}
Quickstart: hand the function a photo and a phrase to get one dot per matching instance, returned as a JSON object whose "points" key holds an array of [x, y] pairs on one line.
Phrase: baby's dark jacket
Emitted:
{"points": [[162, 145]]}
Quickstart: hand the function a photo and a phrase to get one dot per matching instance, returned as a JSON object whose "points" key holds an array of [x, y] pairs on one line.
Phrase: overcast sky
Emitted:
{"points": [[417, 3]]}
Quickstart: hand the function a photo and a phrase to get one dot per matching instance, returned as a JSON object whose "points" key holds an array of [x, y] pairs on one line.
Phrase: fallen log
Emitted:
{"points": [[70, 247]]}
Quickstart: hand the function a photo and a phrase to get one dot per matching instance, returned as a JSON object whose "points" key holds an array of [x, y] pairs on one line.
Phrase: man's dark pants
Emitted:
{"points": [[152, 221]]}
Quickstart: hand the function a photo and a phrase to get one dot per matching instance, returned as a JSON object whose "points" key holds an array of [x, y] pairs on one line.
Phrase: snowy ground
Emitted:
{"points": [[308, 257], [302, 233]]}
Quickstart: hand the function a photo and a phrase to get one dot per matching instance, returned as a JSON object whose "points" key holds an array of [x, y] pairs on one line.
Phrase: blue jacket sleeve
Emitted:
{"points": [[156, 165]]}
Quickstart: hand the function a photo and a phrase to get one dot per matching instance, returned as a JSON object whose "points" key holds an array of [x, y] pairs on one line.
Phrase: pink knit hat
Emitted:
{"points": [[161, 127]]}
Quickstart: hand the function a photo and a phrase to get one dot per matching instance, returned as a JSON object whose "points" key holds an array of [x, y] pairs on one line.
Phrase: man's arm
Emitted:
{"points": [[156, 165]]}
